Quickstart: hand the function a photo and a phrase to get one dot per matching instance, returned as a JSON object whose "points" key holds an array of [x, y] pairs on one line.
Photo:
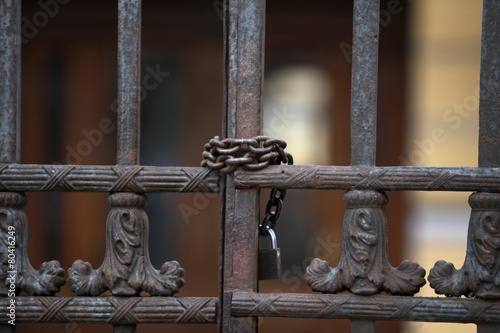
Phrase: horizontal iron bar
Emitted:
{"points": [[115, 178], [375, 178], [106, 178], [111, 310], [378, 307]]}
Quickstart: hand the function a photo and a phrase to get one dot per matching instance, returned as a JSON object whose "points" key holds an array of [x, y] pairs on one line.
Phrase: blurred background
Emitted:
{"points": [[428, 110]]}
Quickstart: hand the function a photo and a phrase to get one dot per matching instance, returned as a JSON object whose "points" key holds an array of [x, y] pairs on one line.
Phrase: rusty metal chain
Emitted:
{"points": [[254, 153], [274, 204], [273, 210]]}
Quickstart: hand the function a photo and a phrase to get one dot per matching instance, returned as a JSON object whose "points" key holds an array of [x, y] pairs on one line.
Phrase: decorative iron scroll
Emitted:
{"points": [[127, 269], [480, 274], [16, 273], [364, 267], [112, 310]]}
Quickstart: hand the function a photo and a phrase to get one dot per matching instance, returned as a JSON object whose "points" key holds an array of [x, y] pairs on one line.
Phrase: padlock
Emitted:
{"points": [[269, 265]]}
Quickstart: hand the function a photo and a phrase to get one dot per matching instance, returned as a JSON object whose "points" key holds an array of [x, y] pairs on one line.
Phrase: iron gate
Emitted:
{"points": [[363, 270]]}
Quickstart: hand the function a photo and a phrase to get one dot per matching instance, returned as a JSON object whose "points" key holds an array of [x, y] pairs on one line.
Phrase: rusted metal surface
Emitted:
{"points": [[129, 88], [10, 80], [374, 178], [489, 105], [113, 310], [244, 65], [106, 178], [364, 82], [377, 307], [364, 267]]}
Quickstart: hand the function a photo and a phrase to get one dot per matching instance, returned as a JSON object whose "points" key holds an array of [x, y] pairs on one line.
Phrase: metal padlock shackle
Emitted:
{"points": [[272, 236]]}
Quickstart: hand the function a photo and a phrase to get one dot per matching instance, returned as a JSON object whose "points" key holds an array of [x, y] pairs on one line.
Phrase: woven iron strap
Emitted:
{"points": [[254, 153]]}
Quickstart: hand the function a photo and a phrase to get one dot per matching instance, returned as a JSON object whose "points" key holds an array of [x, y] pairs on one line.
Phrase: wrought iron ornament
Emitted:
{"points": [[126, 269], [16, 270], [364, 267], [480, 274]]}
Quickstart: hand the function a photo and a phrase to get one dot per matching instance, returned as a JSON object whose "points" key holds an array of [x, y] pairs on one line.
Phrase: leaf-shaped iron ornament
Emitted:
{"points": [[480, 274], [364, 267], [127, 269], [16, 273]]}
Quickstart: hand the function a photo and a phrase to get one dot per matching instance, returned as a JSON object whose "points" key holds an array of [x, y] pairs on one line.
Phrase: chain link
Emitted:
{"points": [[273, 208], [253, 154]]}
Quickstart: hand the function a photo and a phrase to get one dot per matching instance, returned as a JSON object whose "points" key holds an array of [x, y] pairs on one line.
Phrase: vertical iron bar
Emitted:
{"points": [[244, 24], [364, 78], [489, 106], [362, 326], [364, 97], [129, 72], [10, 90], [364, 82], [129, 93], [10, 80]]}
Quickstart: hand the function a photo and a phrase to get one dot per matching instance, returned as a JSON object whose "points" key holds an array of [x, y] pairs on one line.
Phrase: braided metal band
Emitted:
{"points": [[253, 154]]}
